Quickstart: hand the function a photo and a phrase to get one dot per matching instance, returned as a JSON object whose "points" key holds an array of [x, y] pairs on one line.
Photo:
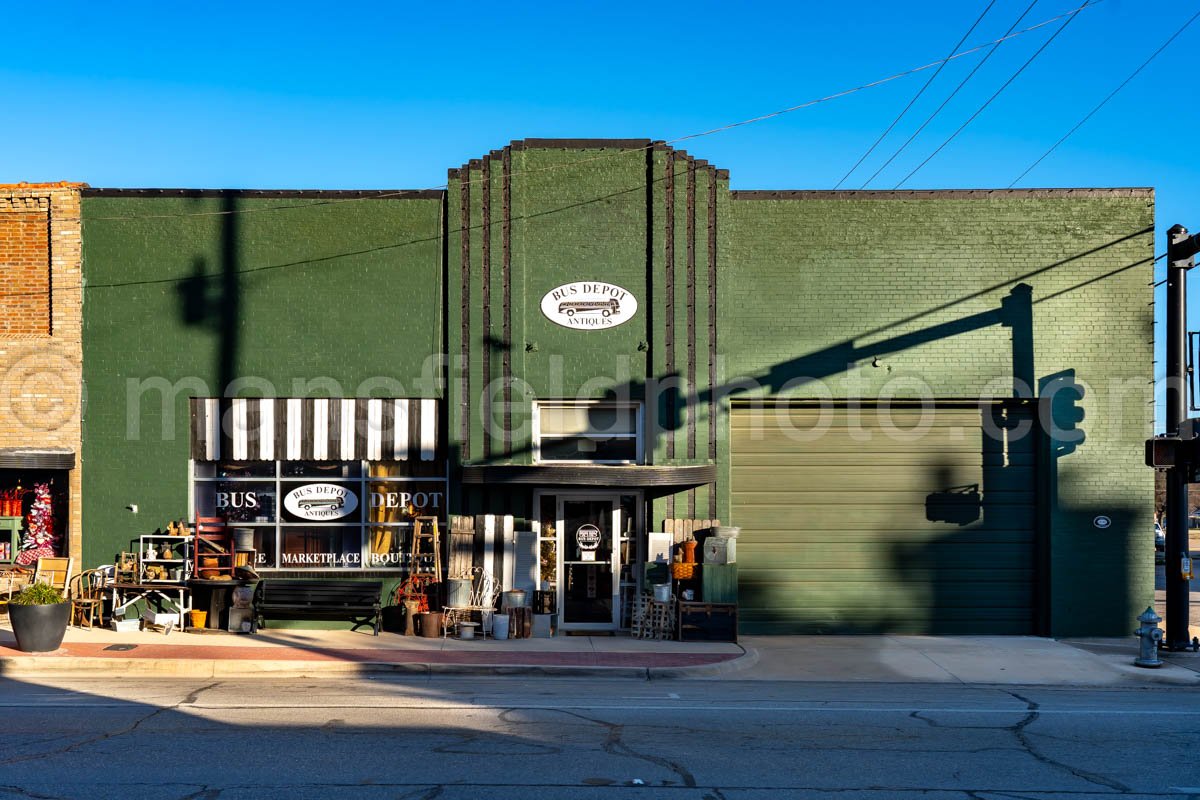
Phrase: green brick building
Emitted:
{"points": [[924, 409]]}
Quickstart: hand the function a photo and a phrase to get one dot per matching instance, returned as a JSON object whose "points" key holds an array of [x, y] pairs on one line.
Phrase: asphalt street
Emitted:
{"points": [[511, 737]]}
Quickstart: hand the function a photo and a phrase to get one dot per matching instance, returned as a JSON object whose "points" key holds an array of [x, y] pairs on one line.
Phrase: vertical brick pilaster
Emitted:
{"points": [[40, 328]]}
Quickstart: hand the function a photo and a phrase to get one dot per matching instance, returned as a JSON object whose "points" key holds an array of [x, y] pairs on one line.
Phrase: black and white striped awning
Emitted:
{"points": [[313, 429]]}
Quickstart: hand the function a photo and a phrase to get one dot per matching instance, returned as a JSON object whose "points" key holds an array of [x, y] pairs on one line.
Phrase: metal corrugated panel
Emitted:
{"points": [[32, 458], [858, 521]]}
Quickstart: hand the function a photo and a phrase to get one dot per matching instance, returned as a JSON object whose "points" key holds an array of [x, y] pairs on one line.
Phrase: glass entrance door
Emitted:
{"points": [[589, 585]]}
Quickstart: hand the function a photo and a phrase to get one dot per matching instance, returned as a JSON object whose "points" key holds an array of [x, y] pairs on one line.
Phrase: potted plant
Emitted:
{"points": [[39, 615]]}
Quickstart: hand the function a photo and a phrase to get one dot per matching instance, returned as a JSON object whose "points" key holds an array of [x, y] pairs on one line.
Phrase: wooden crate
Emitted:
{"points": [[653, 619], [719, 583]]}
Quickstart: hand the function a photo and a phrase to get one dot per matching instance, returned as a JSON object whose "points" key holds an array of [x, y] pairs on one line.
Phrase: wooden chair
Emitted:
{"points": [[126, 568], [87, 597], [485, 591], [14, 579], [213, 553], [55, 571]]}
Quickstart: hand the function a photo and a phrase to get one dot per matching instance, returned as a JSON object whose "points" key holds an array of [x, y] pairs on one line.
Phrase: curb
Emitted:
{"points": [[745, 661]]}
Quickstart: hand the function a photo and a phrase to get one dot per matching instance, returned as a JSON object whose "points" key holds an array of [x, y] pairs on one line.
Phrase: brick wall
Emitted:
{"points": [[40, 350], [543, 213], [25, 258], [298, 294], [878, 293]]}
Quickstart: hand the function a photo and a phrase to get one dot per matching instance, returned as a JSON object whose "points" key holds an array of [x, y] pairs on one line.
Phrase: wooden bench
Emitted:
{"points": [[355, 601]]}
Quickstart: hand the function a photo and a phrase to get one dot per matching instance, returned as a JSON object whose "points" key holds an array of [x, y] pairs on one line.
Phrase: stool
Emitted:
{"points": [[411, 608]]}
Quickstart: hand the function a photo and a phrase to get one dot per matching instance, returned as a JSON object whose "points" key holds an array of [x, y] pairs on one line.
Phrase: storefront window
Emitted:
{"points": [[246, 469], [548, 542], [588, 432], [265, 550], [322, 469], [389, 546], [321, 547], [323, 515], [33, 515], [236, 501]]}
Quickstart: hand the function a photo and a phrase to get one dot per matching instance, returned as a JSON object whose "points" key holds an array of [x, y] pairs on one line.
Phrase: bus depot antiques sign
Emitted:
{"points": [[320, 502], [589, 305], [588, 539]]}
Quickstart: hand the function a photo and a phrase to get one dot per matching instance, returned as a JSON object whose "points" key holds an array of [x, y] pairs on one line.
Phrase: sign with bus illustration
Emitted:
{"points": [[589, 305], [320, 501]]}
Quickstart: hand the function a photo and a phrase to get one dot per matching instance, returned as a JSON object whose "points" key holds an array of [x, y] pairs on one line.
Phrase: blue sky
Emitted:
{"points": [[389, 95]]}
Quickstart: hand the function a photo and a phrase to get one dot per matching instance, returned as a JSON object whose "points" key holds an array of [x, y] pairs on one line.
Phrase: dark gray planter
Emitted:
{"points": [[39, 629]]}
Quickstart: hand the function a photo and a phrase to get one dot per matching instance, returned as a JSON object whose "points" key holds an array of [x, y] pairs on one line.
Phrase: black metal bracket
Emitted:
{"points": [[1193, 337]]}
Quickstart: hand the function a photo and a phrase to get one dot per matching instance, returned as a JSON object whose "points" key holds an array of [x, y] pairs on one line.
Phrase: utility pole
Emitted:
{"points": [[1180, 249]]}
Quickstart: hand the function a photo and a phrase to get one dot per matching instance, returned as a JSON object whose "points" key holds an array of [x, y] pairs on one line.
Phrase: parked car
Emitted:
{"points": [[1160, 537]]}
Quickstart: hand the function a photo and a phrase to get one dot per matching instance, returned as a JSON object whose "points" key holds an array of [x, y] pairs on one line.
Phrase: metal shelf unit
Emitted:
{"points": [[181, 557]]}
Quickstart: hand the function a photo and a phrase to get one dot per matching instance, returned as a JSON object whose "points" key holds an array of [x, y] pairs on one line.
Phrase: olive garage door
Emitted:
{"points": [[872, 520]]}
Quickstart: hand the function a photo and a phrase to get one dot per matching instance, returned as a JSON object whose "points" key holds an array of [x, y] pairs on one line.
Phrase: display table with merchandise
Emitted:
{"points": [[166, 603]]}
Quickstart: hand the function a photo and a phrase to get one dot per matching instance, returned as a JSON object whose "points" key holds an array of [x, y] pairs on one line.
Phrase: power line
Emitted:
{"points": [[946, 102], [688, 137], [915, 97], [988, 102], [1110, 96]]}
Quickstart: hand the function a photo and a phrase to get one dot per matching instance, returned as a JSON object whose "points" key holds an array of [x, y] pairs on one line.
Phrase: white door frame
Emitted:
{"points": [[615, 530]]}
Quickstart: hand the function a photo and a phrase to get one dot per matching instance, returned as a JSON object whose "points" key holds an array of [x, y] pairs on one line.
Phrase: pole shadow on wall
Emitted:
{"points": [[976, 568], [213, 301], [990, 572]]}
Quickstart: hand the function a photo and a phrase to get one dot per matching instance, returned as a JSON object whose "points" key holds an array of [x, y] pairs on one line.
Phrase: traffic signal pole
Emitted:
{"points": [[1177, 637]]}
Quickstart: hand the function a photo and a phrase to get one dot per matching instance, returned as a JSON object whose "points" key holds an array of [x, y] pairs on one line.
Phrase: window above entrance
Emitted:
{"points": [[587, 432]]}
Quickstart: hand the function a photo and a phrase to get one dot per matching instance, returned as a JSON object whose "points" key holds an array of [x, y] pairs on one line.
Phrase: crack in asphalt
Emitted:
{"points": [[70, 748], [426, 791], [423, 793], [205, 793], [614, 744], [194, 695], [1027, 744], [89, 741], [487, 743], [21, 791], [933, 723]]}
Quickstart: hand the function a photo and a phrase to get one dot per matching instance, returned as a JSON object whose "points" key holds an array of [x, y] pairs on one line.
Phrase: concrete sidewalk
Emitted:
{"points": [[1015, 660], [279, 652]]}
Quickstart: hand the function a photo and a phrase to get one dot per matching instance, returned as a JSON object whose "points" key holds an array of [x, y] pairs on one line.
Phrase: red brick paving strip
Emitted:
{"points": [[508, 658]]}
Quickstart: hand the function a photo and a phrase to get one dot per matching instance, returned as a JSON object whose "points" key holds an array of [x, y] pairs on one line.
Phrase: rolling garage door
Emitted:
{"points": [[857, 521]]}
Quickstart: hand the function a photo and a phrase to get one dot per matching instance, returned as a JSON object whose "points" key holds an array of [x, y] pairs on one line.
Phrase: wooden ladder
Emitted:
{"points": [[425, 530]]}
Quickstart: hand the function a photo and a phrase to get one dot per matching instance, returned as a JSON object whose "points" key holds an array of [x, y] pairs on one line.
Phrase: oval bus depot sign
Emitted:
{"points": [[320, 501], [589, 305]]}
